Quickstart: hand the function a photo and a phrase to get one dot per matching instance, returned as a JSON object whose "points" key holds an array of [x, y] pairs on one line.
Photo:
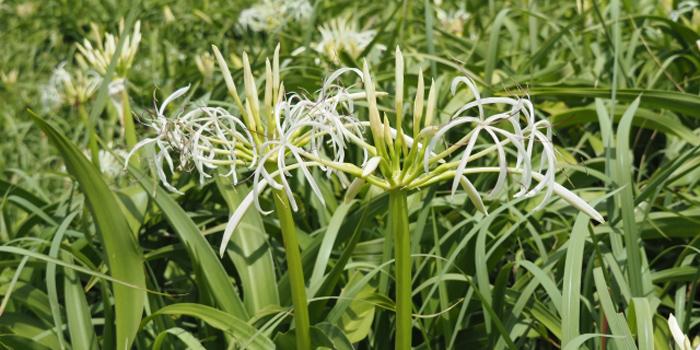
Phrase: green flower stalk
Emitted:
{"points": [[289, 131]]}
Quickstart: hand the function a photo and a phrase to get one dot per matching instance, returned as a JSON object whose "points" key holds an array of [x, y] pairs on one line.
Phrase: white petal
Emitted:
{"points": [[676, 331], [354, 189], [170, 98], [473, 194], [371, 166], [575, 201], [238, 215]]}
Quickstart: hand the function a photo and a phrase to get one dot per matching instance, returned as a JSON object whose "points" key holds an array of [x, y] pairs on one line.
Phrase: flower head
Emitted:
{"points": [[341, 35]]}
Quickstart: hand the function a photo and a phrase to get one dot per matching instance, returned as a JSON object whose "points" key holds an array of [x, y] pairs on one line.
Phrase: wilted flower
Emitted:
{"points": [[201, 137], [681, 339], [270, 15]]}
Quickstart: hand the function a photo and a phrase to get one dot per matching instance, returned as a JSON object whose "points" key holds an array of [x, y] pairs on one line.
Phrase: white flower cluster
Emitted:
{"points": [[292, 131]]}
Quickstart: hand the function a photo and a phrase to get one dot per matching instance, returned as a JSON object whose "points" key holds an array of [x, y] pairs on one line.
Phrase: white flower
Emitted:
{"points": [[74, 89], [10, 77], [101, 55], [681, 339], [453, 21], [270, 15], [206, 137], [683, 7], [169, 137], [296, 119], [489, 125], [50, 97], [339, 34]]}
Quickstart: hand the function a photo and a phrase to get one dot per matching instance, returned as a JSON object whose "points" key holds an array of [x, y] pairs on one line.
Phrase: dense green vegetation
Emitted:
{"points": [[372, 242]]}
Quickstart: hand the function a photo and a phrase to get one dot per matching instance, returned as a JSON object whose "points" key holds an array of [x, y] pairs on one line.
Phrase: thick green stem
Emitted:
{"points": [[92, 142], [398, 205], [294, 266], [129, 130]]}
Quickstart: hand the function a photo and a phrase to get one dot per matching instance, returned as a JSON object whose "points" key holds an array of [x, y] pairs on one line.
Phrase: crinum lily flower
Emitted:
{"points": [[681, 339]]}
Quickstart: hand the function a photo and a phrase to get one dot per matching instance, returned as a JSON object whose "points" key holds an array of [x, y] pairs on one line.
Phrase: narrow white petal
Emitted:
{"points": [[173, 96], [371, 166], [354, 189], [238, 215], [575, 201], [676, 331], [473, 194]]}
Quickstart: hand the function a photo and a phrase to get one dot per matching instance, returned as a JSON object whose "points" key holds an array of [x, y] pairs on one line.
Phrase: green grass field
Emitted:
{"points": [[303, 174]]}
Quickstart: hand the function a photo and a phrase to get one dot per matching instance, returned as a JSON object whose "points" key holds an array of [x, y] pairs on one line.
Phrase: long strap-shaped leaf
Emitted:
{"points": [[124, 258], [210, 273]]}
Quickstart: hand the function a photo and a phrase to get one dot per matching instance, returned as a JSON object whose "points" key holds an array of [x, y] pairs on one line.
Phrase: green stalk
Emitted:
{"points": [[129, 130], [294, 266], [398, 205], [94, 149]]}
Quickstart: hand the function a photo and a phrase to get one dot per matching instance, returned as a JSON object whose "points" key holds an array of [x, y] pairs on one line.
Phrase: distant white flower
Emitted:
{"points": [[50, 97], [681, 339], [683, 7], [100, 56], [206, 65], [453, 21], [74, 88], [10, 77], [27, 9], [270, 15], [341, 35]]}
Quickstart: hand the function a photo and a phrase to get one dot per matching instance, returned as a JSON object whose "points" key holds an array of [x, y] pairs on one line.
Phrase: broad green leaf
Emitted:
{"points": [[241, 331], [186, 337], [682, 103], [617, 321], [210, 273], [121, 249], [250, 252]]}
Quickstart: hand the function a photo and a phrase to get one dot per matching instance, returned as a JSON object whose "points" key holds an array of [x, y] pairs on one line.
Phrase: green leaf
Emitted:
{"points": [[210, 273], [617, 322], [676, 101], [250, 252], [186, 337], [234, 326], [121, 249], [625, 199], [643, 118]]}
